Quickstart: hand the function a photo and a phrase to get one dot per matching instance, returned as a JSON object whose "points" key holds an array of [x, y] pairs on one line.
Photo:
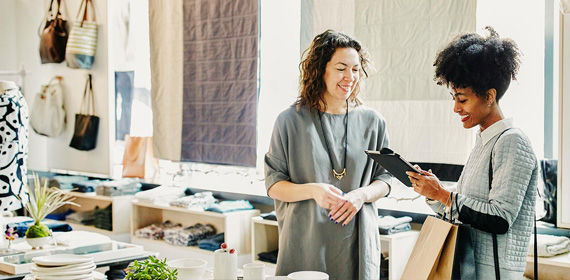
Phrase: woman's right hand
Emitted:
{"points": [[326, 195]]}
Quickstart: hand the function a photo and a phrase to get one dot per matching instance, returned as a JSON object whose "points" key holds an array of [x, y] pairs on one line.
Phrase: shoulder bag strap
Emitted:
{"points": [[495, 245]]}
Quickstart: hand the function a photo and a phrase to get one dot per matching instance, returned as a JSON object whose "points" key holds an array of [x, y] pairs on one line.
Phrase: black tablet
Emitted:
{"points": [[393, 163]]}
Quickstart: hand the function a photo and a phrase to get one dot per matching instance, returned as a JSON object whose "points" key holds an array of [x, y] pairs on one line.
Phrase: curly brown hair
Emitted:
{"points": [[314, 63]]}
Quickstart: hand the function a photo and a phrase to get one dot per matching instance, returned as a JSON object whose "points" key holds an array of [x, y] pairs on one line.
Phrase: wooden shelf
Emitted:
{"points": [[264, 238], [120, 213], [235, 226], [560, 260]]}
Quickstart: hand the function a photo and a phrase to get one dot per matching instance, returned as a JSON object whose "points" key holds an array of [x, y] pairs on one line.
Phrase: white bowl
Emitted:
{"points": [[308, 275], [189, 269]]}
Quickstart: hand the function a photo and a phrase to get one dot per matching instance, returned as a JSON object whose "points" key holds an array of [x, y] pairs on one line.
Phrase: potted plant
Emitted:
{"points": [[42, 201], [151, 269]]}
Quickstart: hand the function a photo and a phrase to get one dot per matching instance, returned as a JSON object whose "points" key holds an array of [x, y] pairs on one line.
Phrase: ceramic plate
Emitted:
{"points": [[63, 259], [71, 267], [65, 272], [74, 277]]}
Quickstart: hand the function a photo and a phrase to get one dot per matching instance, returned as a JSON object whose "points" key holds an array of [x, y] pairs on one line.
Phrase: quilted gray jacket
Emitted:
{"points": [[508, 209]]}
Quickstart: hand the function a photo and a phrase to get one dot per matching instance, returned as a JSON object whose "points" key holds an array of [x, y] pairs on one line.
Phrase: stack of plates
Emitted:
{"points": [[64, 267]]}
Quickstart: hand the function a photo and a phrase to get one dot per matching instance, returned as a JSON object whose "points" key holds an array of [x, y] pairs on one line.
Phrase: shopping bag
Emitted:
{"points": [[54, 35], [445, 251], [138, 159], [82, 42], [86, 123], [48, 113], [432, 256]]}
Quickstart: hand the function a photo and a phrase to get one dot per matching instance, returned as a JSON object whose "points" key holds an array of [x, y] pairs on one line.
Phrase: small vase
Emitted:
{"points": [[38, 242]]}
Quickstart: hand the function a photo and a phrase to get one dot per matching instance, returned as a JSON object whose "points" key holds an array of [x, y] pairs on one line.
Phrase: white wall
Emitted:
{"points": [[55, 153], [522, 21], [279, 66]]}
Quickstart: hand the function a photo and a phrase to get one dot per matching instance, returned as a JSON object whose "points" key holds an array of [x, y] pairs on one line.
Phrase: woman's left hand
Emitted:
{"points": [[344, 212], [426, 183]]}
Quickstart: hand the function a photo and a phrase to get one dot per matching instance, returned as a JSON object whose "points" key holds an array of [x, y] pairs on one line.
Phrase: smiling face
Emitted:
{"points": [[342, 75], [473, 109]]}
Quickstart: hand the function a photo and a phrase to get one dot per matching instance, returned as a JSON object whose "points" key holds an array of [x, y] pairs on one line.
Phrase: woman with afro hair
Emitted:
{"points": [[497, 188]]}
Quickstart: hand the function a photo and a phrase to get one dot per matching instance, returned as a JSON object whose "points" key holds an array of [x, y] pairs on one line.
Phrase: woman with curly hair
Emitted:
{"points": [[497, 188], [316, 169]]}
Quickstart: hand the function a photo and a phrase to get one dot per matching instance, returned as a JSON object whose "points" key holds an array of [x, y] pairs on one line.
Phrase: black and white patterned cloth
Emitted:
{"points": [[14, 129]]}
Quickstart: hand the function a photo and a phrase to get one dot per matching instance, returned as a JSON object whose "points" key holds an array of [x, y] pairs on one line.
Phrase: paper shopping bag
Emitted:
{"points": [[138, 159], [430, 257]]}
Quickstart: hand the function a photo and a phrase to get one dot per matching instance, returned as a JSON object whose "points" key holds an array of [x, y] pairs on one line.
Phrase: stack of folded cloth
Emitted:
{"points": [[230, 206], [189, 236], [65, 182], [125, 186], [60, 216], [211, 243], [86, 186], [85, 217], [549, 245], [269, 216], [160, 194], [198, 201], [391, 225], [156, 231], [268, 256], [103, 218]]}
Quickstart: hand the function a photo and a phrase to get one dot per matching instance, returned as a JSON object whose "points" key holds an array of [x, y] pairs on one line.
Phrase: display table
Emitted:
{"points": [[115, 265]]}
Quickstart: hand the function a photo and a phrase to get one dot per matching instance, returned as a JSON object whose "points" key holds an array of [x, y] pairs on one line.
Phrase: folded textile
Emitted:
{"points": [[86, 186], [160, 194], [21, 227], [85, 217], [212, 243], [155, 231], [103, 218], [269, 216], [125, 186], [230, 206], [65, 182], [549, 245], [198, 201], [396, 229], [60, 216], [387, 222], [268, 256], [188, 236]]}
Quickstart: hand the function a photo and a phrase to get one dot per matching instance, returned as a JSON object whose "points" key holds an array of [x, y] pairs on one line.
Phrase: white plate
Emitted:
{"points": [[74, 277], [64, 272], [63, 259], [70, 267]]}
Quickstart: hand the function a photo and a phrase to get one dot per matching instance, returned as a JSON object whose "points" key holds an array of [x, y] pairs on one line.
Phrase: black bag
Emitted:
{"points": [[53, 37], [549, 178], [464, 261], [86, 123]]}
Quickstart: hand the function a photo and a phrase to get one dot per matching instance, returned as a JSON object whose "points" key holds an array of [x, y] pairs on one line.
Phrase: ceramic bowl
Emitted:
{"points": [[189, 269], [308, 275]]}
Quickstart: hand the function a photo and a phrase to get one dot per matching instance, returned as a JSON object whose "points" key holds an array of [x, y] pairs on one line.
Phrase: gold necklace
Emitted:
{"points": [[341, 174]]}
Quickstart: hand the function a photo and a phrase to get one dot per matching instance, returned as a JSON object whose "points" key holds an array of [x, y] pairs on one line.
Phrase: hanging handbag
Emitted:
{"points": [[53, 37], [138, 159], [82, 43], [48, 112], [86, 123]]}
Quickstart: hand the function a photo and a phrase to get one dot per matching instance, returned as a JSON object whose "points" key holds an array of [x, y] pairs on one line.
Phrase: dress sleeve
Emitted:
{"points": [[276, 163], [513, 165]]}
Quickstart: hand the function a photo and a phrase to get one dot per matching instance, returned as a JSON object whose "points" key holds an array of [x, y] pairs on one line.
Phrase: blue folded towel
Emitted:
{"points": [[21, 227], [212, 243], [230, 206]]}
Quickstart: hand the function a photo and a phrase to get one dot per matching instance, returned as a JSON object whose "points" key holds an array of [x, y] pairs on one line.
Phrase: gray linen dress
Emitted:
{"points": [[308, 240]]}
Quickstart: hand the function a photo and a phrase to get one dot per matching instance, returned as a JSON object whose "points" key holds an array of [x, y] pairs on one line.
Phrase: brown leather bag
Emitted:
{"points": [[138, 159], [53, 38]]}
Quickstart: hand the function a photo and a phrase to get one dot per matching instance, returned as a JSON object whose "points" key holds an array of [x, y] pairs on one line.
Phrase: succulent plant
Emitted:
{"points": [[42, 201]]}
